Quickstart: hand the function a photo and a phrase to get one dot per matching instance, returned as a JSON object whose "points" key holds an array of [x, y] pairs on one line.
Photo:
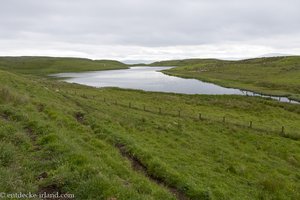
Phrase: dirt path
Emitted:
{"points": [[138, 166]]}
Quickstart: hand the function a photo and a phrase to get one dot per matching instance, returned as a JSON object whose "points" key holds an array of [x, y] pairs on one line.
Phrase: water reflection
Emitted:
{"points": [[151, 79]]}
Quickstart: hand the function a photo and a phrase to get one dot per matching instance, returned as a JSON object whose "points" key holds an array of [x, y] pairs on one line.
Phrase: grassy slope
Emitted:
{"points": [[274, 76], [68, 131], [50, 65]]}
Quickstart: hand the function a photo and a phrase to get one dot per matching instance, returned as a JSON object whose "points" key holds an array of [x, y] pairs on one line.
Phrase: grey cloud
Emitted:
{"points": [[156, 23]]}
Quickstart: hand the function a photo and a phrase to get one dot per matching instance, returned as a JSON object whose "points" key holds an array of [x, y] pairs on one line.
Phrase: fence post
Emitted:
{"points": [[282, 129], [250, 124], [200, 116]]}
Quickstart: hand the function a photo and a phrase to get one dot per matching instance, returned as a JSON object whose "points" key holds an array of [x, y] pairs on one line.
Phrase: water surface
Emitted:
{"points": [[151, 79]]}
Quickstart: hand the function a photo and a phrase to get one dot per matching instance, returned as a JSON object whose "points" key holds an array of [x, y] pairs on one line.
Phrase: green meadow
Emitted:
{"points": [[279, 76], [112, 143], [43, 66]]}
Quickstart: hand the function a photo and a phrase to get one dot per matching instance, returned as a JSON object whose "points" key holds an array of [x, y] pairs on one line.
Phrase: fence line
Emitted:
{"points": [[223, 120]]}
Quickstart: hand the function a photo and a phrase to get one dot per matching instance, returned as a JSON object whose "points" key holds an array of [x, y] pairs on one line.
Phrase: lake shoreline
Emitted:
{"points": [[158, 79], [256, 92]]}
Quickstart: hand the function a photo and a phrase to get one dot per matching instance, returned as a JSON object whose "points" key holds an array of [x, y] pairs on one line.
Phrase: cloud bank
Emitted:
{"points": [[155, 30]]}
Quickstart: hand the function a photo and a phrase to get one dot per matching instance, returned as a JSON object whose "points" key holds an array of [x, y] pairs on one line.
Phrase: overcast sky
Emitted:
{"points": [[149, 30]]}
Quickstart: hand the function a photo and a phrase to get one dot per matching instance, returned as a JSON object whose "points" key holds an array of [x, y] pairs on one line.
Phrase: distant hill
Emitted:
{"points": [[136, 62], [49, 65], [183, 62], [274, 55]]}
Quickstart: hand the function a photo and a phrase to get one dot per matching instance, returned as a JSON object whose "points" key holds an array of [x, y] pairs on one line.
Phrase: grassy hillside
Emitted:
{"points": [[123, 144], [186, 62], [50, 65], [275, 76]]}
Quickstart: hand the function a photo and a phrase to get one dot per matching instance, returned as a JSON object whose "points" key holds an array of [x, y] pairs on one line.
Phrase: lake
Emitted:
{"points": [[152, 79]]}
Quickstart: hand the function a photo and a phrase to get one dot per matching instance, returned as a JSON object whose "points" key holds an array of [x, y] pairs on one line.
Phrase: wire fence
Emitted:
{"points": [[276, 129]]}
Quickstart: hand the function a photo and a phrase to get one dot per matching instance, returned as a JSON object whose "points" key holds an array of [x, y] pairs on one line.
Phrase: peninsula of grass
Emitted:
{"points": [[279, 76]]}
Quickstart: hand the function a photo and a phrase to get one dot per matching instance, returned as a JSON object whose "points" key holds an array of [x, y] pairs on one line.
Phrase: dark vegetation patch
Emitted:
{"points": [[41, 176], [31, 134], [79, 116], [41, 107], [51, 192]]}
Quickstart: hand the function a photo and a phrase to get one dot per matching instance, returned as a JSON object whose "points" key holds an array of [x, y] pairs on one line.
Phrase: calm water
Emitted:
{"points": [[151, 79]]}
